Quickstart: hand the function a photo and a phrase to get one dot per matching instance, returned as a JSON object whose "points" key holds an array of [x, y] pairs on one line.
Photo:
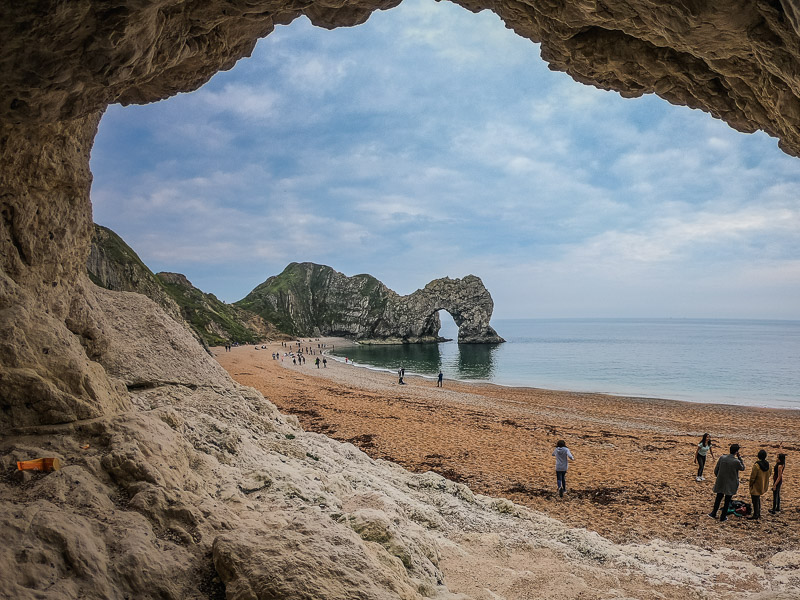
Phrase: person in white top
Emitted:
{"points": [[703, 448], [562, 455]]}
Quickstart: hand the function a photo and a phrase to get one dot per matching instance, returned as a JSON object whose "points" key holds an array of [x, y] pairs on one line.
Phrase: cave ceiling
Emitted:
{"points": [[737, 60]]}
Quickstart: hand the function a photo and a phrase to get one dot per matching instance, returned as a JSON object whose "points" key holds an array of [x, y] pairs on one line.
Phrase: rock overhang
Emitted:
{"points": [[739, 61]]}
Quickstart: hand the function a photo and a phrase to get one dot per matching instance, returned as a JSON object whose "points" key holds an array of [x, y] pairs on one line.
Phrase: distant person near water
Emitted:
{"points": [[759, 483], [439, 381], [400, 376], [562, 455], [777, 481], [727, 483], [703, 448]]}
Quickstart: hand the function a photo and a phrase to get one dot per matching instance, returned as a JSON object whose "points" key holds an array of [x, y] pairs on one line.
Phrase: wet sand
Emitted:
{"points": [[633, 478]]}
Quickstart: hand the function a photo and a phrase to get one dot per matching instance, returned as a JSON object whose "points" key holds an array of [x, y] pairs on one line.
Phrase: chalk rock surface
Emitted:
{"points": [[311, 300]]}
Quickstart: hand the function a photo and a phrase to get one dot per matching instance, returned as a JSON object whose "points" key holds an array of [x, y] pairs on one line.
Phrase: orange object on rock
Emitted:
{"points": [[39, 464]]}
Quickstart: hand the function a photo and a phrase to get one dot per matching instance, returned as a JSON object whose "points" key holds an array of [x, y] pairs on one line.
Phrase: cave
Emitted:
{"points": [[81, 360]]}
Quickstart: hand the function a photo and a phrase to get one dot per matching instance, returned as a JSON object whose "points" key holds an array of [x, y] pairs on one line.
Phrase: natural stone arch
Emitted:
{"points": [[466, 299]]}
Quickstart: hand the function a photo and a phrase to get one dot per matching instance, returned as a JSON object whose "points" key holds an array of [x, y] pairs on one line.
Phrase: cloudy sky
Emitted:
{"points": [[432, 142]]}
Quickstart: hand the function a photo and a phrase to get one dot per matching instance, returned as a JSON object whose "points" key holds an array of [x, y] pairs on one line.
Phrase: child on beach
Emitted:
{"points": [[562, 453], [703, 448]]}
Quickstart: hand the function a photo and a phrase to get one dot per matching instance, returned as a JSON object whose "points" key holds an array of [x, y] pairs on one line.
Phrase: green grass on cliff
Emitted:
{"points": [[203, 310], [116, 251], [212, 321]]}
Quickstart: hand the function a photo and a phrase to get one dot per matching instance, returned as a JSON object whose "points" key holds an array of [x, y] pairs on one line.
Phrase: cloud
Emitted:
{"points": [[246, 101]]}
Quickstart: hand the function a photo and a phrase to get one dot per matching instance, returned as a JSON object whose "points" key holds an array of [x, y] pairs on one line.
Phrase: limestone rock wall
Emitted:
{"points": [[48, 340], [311, 300]]}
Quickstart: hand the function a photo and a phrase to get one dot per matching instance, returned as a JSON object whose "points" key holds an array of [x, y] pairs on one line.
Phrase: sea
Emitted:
{"points": [[728, 361]]}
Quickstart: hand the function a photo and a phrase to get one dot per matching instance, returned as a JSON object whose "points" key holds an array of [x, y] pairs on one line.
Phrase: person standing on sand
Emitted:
{"points": [[324, 363], [317, 362], [759, 483], [727, 472], [439, 381], [777, 481], [562, 455], [703, 448]]}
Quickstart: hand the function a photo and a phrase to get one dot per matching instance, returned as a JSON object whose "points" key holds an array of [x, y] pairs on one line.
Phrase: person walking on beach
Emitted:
{"points": [[759, 483], [439, 381], [777, 481], [400, 377], [727, 472], [324, 363], [703, 448], [317, 362], [562, 455]]}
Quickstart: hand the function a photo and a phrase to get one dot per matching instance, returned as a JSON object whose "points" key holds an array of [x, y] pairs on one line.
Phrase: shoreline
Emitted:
{"points": [[611, 395], [633, 475], [730, 375]]}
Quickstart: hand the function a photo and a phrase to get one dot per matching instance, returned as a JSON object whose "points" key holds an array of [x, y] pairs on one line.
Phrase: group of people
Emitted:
{"points": [[727, 480], [726, 471]]}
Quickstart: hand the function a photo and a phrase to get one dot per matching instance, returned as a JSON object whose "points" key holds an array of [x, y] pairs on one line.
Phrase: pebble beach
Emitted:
{"points": [[633, 478]]}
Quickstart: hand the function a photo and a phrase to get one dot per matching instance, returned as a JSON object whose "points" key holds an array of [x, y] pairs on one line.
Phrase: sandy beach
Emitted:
{"points": [[633, 478]]}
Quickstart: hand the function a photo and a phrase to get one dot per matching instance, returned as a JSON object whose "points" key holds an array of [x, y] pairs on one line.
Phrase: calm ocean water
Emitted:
{"points": [[756, 363]]}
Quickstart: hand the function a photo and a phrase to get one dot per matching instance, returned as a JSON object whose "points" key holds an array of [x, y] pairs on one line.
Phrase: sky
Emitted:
{"points": [[433, 142]]}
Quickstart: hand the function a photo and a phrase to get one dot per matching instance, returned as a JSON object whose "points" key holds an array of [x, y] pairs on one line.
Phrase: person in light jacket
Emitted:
{"points": [[759, 483], [727, 472], [562, 453]]}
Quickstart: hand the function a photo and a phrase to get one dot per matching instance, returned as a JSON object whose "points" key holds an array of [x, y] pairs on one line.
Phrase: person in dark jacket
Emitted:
{"points": [[759, 483], [727, 472], [776, 483]]}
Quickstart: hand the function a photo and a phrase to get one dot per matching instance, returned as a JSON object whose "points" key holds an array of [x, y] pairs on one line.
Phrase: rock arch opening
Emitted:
{"points": [[447, 325]]}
